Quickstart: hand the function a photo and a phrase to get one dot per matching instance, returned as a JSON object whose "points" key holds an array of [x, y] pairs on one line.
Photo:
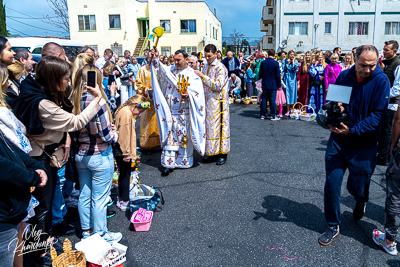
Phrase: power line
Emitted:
{"points": [[18, 31], [35, 26], [18, 11], [28, 18]]}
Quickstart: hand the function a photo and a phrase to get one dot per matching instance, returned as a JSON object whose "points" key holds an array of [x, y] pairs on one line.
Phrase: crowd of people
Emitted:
{"points": [[60, 135]]}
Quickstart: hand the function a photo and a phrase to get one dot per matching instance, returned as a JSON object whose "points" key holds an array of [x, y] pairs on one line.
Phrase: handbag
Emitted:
{"points": [[56, 159]]}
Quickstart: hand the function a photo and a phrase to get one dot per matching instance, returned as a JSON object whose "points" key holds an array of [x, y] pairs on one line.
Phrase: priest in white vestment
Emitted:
{"points": [[180, 114]]}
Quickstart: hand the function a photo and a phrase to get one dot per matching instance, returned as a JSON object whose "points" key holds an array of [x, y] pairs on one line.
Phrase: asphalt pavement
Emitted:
{"points": [[264, 207]]}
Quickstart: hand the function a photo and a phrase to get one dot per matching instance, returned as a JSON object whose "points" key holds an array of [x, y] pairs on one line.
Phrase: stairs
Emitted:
{"points": [[138, 47]]}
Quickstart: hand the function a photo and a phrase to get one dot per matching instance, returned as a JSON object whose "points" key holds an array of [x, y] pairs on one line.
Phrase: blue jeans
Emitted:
{"points": [[8, 238], [361, 163], [131, 91], [95, 177], [58, 205], [268, 94]]}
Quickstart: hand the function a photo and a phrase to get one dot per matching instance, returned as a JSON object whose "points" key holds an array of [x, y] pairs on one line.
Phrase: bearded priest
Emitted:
{"points": [[180, 108]]}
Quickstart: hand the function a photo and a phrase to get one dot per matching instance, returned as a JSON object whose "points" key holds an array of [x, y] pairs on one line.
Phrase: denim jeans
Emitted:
{"points": [[131, 91], [268, 94], [8, 237], [361, 163], [58, 205], [95, 177]]}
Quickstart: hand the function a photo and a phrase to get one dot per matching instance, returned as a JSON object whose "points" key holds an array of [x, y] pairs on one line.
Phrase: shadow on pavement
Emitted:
{"points": [[393, 263], [373, 211], [309, 216]]}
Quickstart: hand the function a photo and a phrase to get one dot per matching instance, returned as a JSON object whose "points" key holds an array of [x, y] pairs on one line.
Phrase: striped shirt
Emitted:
{"points": [[97, 135]]}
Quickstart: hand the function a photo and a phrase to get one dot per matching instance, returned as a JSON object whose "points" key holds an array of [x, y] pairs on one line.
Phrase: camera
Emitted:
{"points": [[330, 116]]}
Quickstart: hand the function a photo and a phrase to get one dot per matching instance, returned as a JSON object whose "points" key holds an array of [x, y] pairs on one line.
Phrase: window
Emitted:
{"points": [[298, 28], [87, 22], [189, 49], [188, 26], [37, 50], [358, 28], [270, 11], [328, 26], [206, 28], [115, 21], [392, 28], [166, 51], [117, 50], [216, 34], [166, 24], [94, 47], [213, 32], [270, 40]]}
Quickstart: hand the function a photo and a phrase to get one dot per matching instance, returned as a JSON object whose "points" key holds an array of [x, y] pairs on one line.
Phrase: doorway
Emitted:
{"points": [[143, 27]]}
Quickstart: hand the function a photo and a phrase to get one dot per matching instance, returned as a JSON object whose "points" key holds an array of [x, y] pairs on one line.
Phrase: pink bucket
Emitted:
{"points": [[142, 226]]}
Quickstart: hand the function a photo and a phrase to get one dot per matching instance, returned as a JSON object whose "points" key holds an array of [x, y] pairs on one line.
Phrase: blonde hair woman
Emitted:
{"points": [[304, 79], [80, 61], [348, 61], [125, 124], [290, 67], [94, 159], [317, 92]]}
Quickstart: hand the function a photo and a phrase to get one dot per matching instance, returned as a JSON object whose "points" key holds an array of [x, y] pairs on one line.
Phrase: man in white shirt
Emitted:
{"points": [[108, 53]]}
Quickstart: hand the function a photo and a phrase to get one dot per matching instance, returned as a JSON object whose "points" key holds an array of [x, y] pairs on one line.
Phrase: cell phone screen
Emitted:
{"points": [[111, 79], [91, 79]]}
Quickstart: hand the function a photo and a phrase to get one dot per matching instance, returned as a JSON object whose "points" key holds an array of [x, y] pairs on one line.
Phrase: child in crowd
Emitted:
{"points": [[248, 78], [280, 99], [125, 124]]}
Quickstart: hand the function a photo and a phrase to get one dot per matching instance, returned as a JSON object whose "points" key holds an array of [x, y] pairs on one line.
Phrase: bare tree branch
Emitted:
{"points": [[60, 8]]}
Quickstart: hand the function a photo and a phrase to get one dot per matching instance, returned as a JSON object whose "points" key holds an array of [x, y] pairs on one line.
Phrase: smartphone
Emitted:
{"points": [[91, 78], [111, 79]]}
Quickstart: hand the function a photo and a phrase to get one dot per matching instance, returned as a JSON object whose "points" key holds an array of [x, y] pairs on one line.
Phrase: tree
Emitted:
{"points": [[60, 8], [3, 26], [236, 39]]}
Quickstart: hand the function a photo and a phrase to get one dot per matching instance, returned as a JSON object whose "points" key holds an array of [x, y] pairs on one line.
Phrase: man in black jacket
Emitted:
{"points": [[231, 63], [19, 173], [392, 70]]}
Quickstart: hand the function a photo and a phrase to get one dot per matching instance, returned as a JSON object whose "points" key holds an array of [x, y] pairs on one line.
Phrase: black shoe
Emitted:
{"points": [[359, 211], [209, 159], [382, 162], [109, 204], [165, 171], [327, 237], [221, 161], [63, 228], [110, 213]]}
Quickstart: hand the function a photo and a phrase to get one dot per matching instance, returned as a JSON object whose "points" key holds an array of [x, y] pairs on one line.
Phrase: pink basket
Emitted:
{"points": [[141, 226]]}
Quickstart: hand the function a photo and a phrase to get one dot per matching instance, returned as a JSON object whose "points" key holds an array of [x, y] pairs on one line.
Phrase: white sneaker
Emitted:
{"points": [[123, 206], [262, 117], [379, 239], [275, 119], [112, 237]]}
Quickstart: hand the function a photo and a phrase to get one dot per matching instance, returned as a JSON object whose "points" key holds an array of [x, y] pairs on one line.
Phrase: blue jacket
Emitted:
{"points": [[368, 103], [225, 61], [270, 74]]}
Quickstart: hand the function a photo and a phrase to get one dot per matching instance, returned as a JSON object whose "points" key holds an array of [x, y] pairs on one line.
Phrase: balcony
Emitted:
{"points": [[268, 14], [267, 28], [268, 42]]}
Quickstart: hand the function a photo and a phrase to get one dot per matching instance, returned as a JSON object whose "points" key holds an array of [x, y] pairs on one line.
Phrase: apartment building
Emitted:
{"points": [[125, 25], [306, 24]]}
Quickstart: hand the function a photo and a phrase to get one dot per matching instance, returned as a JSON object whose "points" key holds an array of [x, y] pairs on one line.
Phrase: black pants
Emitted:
{"points": [[125, 169], [45, 195], [268, 94], [385, 137]]}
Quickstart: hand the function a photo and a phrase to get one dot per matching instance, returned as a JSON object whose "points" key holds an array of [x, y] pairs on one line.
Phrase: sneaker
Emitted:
{"points": [[112, 237], [262, 117], [110, 203], [85, 235], [287, 114], [359, 211], [275, 119], [379, 239], [279, 115], [327, 237], [123, 206], [110, 213]]}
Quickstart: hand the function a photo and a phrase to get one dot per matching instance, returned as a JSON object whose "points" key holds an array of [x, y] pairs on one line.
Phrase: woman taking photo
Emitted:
{"points": [[44, 109], [290, 67], [304, 79], [317, 93], [348, 61], [94, 158]]}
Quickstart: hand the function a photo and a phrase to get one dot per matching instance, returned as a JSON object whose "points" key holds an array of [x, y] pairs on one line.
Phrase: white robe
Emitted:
{"points": [[176, 118]]}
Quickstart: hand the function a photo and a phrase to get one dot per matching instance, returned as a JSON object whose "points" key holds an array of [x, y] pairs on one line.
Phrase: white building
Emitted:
{"points": [[124, 25], [306, 24]]}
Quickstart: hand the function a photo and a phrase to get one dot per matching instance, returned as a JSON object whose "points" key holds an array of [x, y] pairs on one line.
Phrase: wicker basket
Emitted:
{"points": [[254, 100], [295, 113], [231, 100], [69, 257], [246, 101], [305, 116]]}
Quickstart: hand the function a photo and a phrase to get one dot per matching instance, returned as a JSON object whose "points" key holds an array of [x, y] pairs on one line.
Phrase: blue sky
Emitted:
{"points": [[244, 16]]}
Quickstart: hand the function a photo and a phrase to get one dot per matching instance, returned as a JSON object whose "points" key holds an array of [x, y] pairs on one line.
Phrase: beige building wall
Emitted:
{"points": [[130, 11]]}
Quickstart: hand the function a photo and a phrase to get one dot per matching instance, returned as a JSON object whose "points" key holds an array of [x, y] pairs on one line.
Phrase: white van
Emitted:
{"points": [[35, 45]]}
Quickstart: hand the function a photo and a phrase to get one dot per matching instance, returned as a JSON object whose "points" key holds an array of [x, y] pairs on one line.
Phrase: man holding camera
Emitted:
{"points": [[353, 145]]}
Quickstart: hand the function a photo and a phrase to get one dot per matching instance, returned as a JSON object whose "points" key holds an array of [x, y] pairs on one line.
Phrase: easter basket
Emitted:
{"points": [[295, 113], [231, 99], [246, 101], [254, 100], [305, 116], [69, 257]]}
